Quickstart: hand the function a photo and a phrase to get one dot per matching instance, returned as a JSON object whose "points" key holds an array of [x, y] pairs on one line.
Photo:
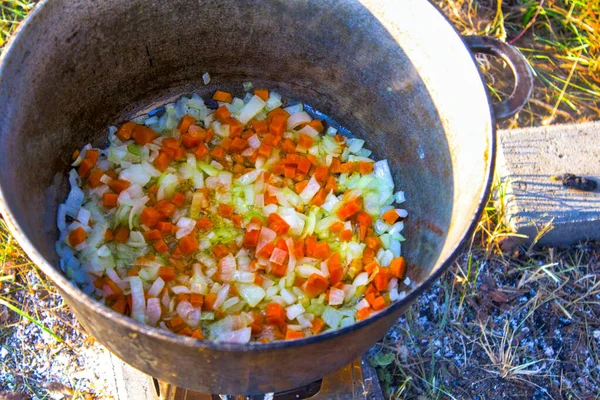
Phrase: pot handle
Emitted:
{"points": [[517, 63]]}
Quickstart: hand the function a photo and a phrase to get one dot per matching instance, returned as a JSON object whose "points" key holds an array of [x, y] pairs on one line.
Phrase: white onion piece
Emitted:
{"points": [[240, 336], [251, 109], [254, 141], [156, 288], [293, 311], [180, 289], [310, 190], [138, 301], [309, 131], [296, 119], [361, 279], [153, 311], [227, 267], [336, 296], [266, 236], [222, 295], [185, 227]]}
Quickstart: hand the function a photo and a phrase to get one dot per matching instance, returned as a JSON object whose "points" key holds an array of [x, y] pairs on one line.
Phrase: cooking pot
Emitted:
{"points": [[393, 72]]}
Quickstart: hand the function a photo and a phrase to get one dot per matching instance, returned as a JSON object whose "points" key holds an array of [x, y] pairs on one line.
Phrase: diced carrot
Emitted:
{"points": [[322, 250], [188, 244], [161, 162], [120, 305], [150, 217], [334, 264], [237, 220], [238, 145], [180, 154], [289, 171], [262, 93], [118, 185], [277, 125], [321, 174], [222, 113], [197, 300], [278, 224], [339, 138], [346, 235], [335, 167], [209, 301], [178, 199], [390, 216], [251, 238], [257, 322], [267, 250], [316, 125], [265, 149], [269, 199], [223, 96], [365, 167], [299, 248], [331, 185], [226, 143], [176, 324], [204, 223], [288, 145], [121, 234], [373, 242], [170, 142], [381, 280], [364, 221], [77, 236], [293, 335], [225, 210], [349, 209], [259, 279], [108, 235], [134, 271], [110, 199], [278, 112], [164, 227], [368, 255], [275, 314], [154, 234], [303, 165], [317, 325], [260, 126], [379, 303], [210, 134], [278, 269], [125, 131], [336, 227], [305, 141], [299, 187], [220, 250], [201, 151], [194, 136], [398, 266], [165, 208], [185, 331], [370, 267], [319, 198], [75, 154], [363, 313], [197, 334], [166, 273], [316, 284], [347, 168], [217, 153], [143, 135], [92, 155], [185, 122], [85, 168], [94, 179], [160, 246], [311, 243]]}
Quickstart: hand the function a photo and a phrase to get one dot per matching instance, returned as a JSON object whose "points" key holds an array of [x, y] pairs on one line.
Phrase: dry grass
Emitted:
{"points": [[504, 322]]}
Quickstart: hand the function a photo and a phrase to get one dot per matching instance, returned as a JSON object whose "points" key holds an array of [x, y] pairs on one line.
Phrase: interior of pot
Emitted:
{"points": [[394, 73]]}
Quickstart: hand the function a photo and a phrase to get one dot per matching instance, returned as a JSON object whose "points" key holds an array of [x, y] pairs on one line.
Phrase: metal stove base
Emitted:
{"points": [[357, 381]]}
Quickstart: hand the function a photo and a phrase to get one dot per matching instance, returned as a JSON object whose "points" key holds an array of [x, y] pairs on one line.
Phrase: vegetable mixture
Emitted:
{"points": [[234, 220]]}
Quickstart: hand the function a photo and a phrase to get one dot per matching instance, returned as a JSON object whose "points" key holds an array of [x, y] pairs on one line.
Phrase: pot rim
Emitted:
{"points": [[64, 284]]}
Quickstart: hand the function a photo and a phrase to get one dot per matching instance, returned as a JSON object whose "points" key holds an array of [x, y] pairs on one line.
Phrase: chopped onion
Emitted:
{"points": [[138, 301], [156, 288], [310, 190], [222, 295], [185, 227], [252, 294], [293, 311], [296, 119], [239, 336], [249, 111], [336, 296], [153, 311], [227, 267]]}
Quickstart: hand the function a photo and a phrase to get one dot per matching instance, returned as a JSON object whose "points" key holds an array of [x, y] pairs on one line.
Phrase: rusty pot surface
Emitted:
{"points": [[394, 72]]}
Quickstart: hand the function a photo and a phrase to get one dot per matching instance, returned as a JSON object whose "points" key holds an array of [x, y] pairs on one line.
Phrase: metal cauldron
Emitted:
{"points": [[394, 72]]}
